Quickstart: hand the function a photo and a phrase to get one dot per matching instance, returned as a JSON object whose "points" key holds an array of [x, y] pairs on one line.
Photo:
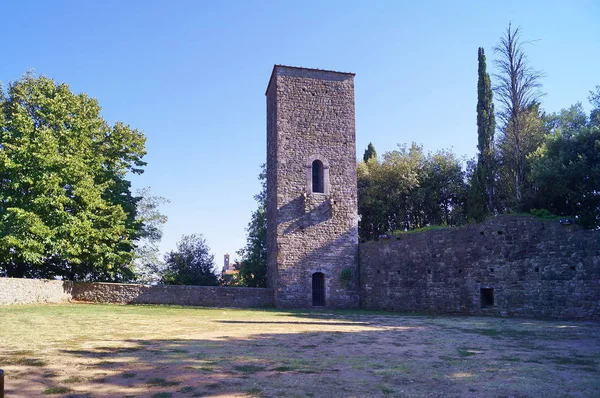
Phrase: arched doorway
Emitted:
{"points": [[318, 289]]}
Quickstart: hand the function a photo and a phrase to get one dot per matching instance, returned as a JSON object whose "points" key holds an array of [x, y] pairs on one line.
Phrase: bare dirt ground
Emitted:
{"points": [[82, 350]]}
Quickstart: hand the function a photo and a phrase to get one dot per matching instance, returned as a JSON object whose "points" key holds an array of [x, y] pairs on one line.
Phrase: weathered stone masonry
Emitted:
{"points": [[535, 268], [34, 291], [209, 296], [310, 118], [38, 291], [506, 266], [509, 265]]}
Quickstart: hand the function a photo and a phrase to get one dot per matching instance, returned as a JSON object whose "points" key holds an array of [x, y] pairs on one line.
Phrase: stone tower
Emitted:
{"points": [[312, 233], [226, 262]]}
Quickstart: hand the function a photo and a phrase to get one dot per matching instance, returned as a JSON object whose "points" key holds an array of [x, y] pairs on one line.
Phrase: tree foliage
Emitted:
{"points": [[482, 192], [370, 153], [148, 265], [66, 209], [518, 91], [408, 190], [253, 268], [566, 168], [190, 264], [546, 162], [514, 192]]}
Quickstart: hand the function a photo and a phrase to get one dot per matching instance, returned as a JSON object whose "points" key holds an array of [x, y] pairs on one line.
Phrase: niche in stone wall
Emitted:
{"points": [[486, 297]]}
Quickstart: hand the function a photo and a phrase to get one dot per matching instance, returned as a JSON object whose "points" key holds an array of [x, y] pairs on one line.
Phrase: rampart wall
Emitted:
{"points": [[509, 265], [207, 296], [33, 291], [37, 291]]}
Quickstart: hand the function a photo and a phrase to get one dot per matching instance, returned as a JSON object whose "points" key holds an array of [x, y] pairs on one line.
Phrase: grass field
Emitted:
{"points": [[81, 350]]}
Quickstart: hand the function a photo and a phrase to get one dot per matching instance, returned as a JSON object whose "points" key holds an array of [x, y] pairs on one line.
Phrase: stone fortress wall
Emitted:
{"points": [[206, 296], [312, 231], [34, 291], [508, 265], [42, 291], [526, 267]]}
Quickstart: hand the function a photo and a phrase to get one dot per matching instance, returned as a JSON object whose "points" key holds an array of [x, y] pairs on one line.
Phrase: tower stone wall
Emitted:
{"points": [[310, 120]]}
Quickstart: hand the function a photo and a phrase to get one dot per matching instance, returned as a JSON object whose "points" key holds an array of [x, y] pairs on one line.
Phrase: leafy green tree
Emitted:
{"points": [[253, 268], [409, 190], [518, 92], [148, 263], [66, 209], [443, 190], [370, 153], [398, 180], [513, 162], [190, 264], [372, 204], [482, 193], [567, 121], [566, 168]]}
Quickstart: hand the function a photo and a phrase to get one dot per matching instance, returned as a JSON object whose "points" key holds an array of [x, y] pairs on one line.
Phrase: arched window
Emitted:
{"points": [[317, 175], [318, 289], [318, 178]]}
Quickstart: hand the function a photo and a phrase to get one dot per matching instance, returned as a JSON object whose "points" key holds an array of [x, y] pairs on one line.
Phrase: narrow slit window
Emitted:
{"points": [[318, 183]]}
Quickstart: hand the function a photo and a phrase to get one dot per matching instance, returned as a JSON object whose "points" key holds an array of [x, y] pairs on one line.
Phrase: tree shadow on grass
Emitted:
{"points": [[379, 360], [298, 323], [331, 356]]}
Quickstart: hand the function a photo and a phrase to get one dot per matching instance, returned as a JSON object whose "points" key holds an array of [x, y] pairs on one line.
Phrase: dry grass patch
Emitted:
{"points": [[160, 351]]}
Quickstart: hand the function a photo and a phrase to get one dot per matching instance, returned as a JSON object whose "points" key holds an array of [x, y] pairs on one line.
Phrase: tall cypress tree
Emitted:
{"points": [[369, 152], [486, 125], [481, 198]]}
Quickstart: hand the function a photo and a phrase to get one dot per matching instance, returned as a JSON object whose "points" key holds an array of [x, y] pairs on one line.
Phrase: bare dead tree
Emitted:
{"points": [[518, 88]]}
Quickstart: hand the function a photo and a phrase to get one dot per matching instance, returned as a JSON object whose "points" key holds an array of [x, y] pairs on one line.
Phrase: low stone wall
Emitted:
{"points": [[207, 296], [509, 265], [32, 291], [38, 291]]}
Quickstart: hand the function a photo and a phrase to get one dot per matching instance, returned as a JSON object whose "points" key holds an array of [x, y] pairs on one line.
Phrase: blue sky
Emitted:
{"points": [[192, 76]]}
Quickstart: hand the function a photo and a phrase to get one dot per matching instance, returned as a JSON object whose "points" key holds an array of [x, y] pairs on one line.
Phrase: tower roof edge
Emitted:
{"points": [[301, 68]]}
